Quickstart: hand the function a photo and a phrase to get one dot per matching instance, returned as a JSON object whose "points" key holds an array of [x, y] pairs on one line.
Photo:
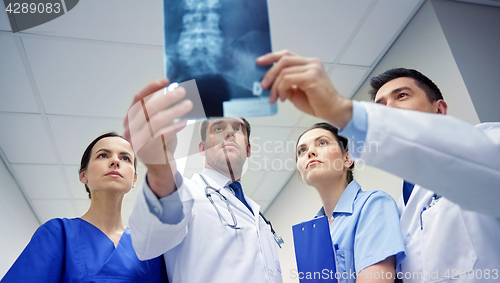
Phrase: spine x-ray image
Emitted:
{"points": [[216, 42]]}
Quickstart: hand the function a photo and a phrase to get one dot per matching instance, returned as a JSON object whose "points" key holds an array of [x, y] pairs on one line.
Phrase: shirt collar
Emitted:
{"points": [[346, 201], [219, 179], [321, 212]]}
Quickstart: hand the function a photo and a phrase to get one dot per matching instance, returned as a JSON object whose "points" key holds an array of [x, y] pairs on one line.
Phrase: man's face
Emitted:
{"points": [[226, 148], [404, 93]]}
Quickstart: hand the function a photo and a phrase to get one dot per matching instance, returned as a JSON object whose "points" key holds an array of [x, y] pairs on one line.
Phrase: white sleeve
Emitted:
{"points": [[154, 234], [440, 153]]}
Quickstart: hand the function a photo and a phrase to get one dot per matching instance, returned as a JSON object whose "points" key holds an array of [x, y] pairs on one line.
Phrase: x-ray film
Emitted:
{"points": [[216, 42]]}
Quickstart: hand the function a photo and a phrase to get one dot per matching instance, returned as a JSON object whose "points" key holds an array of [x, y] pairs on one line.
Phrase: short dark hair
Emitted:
{"points": [[430, 88], [343, 143], [204, 126], [84, 163]]}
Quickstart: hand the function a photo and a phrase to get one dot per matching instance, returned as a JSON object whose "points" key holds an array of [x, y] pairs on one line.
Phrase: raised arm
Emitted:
{"points": [[440, 153], [150, 128]]}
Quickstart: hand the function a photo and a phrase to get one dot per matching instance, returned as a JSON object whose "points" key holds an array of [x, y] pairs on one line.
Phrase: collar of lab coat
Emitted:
{"points": [[346, 201], [219, 179]]}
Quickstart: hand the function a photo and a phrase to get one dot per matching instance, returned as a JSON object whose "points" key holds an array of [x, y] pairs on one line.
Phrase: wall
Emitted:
{"points": [[423, 46], [473, 35], [18, 223]]}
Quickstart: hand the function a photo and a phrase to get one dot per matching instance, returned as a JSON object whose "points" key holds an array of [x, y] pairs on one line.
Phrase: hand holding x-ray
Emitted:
{"points": [[150, 124], [151, 128], [304, 82]]}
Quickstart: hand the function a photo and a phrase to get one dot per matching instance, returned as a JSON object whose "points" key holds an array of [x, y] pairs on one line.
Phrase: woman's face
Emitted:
{"points": [[110, 166], [319, 157]]}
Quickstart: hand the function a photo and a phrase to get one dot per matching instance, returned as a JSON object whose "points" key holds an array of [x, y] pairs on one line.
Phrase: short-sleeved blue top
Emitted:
{"points": [[73, 250], [365, 231]]}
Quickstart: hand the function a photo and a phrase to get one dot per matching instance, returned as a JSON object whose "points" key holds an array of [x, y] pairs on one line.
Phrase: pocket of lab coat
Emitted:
{"points": [[447, 249]]}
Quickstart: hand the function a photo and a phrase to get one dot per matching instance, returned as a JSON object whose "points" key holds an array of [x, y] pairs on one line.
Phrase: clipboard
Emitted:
{"points": [[316, 258]]}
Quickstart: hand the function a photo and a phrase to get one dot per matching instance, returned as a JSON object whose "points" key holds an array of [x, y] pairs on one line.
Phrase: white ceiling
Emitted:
{"points": [[65, 82]]}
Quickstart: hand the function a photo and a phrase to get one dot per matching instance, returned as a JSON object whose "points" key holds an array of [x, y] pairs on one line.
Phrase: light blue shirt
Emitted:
{"points": [[168, 209], [356, 130], [365, 231]]}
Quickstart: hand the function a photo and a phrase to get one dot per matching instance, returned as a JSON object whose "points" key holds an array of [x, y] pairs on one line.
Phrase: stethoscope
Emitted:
{"points": [[209, 190]]}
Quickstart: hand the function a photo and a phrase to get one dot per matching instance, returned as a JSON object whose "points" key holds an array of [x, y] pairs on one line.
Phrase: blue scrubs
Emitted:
{"points": [[73, 250], [365, 231]]}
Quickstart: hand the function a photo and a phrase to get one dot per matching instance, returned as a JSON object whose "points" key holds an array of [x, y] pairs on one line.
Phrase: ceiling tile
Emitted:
{"points": [[316, 29], [76, 77], [327, 66], [4, 18], [130, 21], [17, 95], [379, 31], [73, 134], [347, 79], [266, 144], [24, 140], [42, 181], [272, 185], [309, 120], [48, 209], [287, 116]]}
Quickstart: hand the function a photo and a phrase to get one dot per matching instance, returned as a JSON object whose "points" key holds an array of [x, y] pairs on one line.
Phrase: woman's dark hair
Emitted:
{"points": [[84, 163], [343, 143]]}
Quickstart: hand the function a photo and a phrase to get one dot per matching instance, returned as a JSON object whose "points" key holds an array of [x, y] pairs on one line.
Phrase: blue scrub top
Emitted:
{"points": [[365, 231], [73, 250]]}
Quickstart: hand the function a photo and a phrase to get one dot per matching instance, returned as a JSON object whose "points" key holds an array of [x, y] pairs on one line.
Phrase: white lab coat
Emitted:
{"points": [[199, 248], [456, 160]]}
